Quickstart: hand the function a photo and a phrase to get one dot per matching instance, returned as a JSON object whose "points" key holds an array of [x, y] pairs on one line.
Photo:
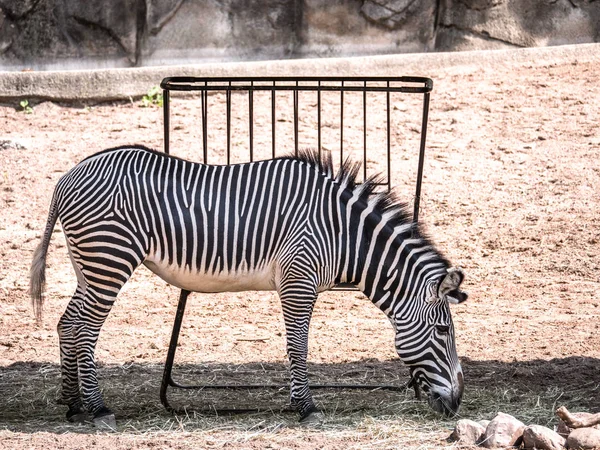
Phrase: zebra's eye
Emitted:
{"points": [[442, 329]]}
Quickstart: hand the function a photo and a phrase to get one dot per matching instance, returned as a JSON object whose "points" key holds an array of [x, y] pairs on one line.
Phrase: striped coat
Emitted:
{"points": [[288, 224]]}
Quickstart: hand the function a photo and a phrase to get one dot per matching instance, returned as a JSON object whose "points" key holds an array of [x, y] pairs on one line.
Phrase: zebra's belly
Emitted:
{"points": [[256, 280]]}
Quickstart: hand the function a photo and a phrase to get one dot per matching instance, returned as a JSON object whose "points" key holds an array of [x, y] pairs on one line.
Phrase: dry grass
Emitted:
{"points": [[354, 419]]}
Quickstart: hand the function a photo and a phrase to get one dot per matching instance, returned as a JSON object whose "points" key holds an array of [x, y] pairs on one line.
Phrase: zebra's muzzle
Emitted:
{"points": [[447, 402], [448, 406]]}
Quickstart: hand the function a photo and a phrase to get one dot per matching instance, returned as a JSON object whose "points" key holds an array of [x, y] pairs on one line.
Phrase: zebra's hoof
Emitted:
{"points": [[106, 422], [314, 418], [77, 415]]}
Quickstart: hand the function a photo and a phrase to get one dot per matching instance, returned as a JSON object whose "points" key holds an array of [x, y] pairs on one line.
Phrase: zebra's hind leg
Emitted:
{"points": [[92, 314], [297, 301], [71, 395], [78, 331]]}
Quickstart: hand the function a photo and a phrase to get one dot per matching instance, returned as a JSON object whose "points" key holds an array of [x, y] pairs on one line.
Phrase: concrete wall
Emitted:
{"points": [[53, 34]]}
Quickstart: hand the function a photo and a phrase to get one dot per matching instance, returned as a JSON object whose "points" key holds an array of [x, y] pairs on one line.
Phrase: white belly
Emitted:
{"points": [[257, 280]]}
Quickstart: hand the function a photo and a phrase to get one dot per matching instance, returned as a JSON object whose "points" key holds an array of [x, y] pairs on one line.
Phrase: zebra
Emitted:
{"points": [[289, 224]]}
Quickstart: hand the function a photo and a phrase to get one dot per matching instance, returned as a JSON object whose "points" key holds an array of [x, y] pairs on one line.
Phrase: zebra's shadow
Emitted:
{"points": [[29, 392]]}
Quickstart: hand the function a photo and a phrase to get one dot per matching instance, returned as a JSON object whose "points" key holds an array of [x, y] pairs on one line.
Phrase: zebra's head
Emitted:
{"points": [[425, 341]]}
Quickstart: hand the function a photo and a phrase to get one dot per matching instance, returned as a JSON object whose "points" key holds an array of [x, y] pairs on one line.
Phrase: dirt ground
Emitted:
{"points": [[511, 194]]}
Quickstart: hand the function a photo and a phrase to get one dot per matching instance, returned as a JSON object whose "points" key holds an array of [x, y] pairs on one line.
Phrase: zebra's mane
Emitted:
{"points": [[386, 204]]}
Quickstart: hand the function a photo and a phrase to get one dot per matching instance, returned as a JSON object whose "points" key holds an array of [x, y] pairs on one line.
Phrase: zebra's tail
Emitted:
{"points": [[37, 273]]}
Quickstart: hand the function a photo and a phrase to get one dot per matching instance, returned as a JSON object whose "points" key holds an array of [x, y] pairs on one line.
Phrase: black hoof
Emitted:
{"points": [[104, 411], [77, 415], [309, 414]]}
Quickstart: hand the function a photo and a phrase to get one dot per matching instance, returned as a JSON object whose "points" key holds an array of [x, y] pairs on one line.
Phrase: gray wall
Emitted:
{"points": [[53, 34]]}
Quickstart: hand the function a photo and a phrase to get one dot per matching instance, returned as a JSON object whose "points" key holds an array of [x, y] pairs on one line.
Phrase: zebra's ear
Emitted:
{"points": [[449, 286]]}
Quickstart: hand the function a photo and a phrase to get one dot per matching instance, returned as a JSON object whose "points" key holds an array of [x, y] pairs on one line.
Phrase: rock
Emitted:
{"points": [[18, 8], [467, 432], [390, 13], [564, 430], [478, 24], [503, 431], [542, 438], [584, 439], [159, 13], [119, 19], [8, 144], [7, 32], [484, 423], [84, 34]]}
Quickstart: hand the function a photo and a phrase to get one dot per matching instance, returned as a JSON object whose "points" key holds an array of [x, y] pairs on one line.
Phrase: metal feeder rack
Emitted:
{"points": [[294, 85]]}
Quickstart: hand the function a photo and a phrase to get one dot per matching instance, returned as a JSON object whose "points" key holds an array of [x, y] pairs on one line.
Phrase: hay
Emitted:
{"points": [[377, 419]]}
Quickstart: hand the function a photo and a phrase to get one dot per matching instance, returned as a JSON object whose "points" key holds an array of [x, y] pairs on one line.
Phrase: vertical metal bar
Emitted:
{"points": [[205, 125], [421, 156], [296, 101], [319, 119], [167, 379], [273, 120], [251, 120], [342, 124], [365, 130], [228, 100], [166, 119], [389, 141]]}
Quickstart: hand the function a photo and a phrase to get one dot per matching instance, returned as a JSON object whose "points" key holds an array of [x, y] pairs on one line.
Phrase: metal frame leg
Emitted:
{"points": [[167, 379]]}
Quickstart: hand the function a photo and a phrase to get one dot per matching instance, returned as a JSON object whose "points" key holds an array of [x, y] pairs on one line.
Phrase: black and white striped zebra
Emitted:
{"points": [[288, 224]]}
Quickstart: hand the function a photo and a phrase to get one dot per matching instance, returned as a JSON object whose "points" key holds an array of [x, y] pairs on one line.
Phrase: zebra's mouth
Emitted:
{"points": [[442, 401], [448, 405], [441, 405]]}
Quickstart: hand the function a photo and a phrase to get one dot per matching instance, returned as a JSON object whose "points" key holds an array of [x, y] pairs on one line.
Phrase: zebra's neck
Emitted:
{"points": [[385, 257]]}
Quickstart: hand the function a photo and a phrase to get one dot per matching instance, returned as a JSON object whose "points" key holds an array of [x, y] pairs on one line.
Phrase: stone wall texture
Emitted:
{"points": [[59, 34]]}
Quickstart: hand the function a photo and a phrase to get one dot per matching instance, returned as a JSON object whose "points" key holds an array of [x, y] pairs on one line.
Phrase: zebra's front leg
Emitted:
{"points": [[297, 304]]}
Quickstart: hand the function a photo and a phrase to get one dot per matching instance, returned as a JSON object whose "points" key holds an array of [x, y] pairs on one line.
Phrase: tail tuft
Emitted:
{"points": [[37, 280]]}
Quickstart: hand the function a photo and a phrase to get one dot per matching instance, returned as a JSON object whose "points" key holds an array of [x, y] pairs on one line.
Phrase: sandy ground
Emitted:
{"points": [[511, 194]]}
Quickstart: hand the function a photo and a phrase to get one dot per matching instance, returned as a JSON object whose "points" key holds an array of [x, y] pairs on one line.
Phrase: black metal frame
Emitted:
{"points": [[388, 85]]}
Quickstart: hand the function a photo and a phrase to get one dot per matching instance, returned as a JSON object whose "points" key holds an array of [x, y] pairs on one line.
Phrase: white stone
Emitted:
{"points": [[584, 439], [484, 423], [10, 144], [542, 438], [503, 431], [564, 430], [467, 432]]}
